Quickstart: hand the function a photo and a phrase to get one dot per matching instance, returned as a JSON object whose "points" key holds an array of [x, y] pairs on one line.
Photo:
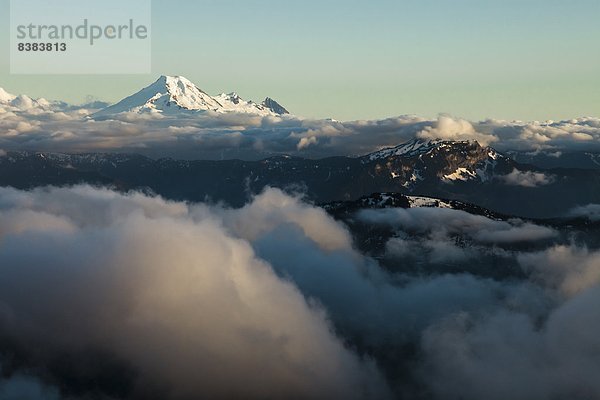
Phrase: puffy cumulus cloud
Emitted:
{"points": [[376, 313], [162, 292], [127, 296], [574, 134], [37, 125], [106, 295], [442, 221], [527, 178], [590, 211], [25, 387], [582, 136], [16, 221], [13, 126], [448, 128], [568, 269], [204, 135], [508, 351], [518, 233], [441, 332], [329, 137], [274, 208], [327, 130], [306, 246], [436, 241], [519, 354], [306, 142], [438, 248], [70, 207]]}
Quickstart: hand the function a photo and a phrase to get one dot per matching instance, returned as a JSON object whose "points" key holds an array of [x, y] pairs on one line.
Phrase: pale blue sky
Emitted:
{"points": [[348, 59]]}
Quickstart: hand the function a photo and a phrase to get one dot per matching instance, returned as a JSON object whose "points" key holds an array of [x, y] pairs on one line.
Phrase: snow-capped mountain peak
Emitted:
{"points": [[176, 94], [232, 102], [6, 97], [185, 94], [274, 106], [169, 94], [417, 147], [437, 160], [23, 102], [233, 97]]}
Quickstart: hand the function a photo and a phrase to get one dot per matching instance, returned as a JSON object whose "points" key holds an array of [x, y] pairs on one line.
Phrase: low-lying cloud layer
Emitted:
{"points": [[590, 211], [442, 236], [105, 295], [170, 304], [527, 178], [449, 221], [27, 124]]}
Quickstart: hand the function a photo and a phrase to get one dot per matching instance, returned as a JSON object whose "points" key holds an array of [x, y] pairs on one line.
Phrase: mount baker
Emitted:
{"points": [[176, 94]]}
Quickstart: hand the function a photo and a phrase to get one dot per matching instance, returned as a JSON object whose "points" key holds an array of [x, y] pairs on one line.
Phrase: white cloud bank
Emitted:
{"points": [[589, 211], [163, 290], [448, 128], [527, 178], [106, 295], [50, 126]]}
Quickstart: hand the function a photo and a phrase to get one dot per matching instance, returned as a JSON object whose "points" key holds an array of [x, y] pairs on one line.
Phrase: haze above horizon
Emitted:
{"points": [[528, 60]]}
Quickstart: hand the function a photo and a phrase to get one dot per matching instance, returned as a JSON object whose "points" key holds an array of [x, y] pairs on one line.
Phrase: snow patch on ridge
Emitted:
{"points": [[461, 174], [6, 97], [417, 201], [412, 148]]}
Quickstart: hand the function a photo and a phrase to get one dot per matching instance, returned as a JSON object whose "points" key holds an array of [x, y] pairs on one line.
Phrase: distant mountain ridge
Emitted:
{"points": [[422, 160], [398, 200], [462, 171], [25, 102]]}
